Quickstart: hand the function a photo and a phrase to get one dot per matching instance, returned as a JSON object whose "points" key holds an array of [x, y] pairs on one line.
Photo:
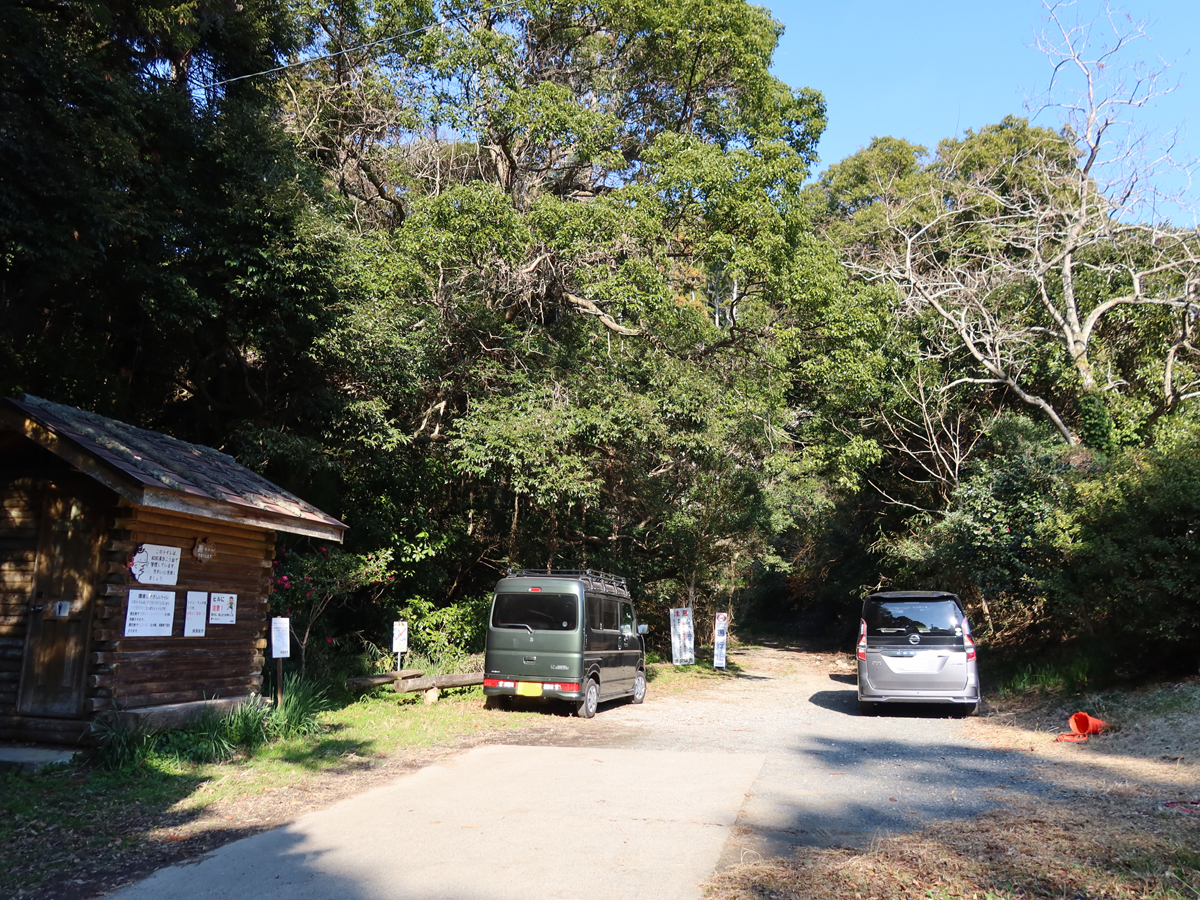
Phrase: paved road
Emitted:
{"points": [[641, 802]]}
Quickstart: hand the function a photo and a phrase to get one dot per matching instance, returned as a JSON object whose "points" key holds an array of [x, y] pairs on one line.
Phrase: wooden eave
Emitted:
{"points": [[158, 497]]}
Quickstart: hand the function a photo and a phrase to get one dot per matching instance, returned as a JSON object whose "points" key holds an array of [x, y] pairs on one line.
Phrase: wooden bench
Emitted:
{"points": [[387, 678], [408, 681]]}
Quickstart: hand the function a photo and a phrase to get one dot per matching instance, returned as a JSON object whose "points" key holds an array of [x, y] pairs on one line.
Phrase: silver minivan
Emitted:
{"points": [[916, 647], [568, 635]]}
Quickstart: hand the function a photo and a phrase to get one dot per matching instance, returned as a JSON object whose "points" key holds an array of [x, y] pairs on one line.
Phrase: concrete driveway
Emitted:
{"points": [[496, 823], [641, 802]]}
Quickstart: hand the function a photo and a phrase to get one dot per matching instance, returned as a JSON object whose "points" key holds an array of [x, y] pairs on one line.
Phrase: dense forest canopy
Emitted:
{"points": [[554, 283]]}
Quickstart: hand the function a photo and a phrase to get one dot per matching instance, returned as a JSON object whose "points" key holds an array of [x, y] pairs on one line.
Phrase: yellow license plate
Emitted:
{"points": [[529, 689]]}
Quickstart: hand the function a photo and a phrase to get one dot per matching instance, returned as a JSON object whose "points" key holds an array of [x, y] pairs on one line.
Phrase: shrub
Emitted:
{"points": [[297, 715], [123, 747]]}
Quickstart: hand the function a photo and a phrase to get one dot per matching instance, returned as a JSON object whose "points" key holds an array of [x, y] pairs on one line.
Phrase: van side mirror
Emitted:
{"points": [[643, 629]]}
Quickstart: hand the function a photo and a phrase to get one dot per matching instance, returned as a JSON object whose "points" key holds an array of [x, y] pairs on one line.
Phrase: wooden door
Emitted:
{"points": [[66, 572]]}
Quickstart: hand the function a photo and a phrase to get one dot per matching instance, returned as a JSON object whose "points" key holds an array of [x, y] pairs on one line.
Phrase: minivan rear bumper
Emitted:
{"points": [[919, 697], [508, 687]]}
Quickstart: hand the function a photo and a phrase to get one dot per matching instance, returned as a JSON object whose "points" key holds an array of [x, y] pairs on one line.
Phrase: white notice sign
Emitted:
{"points": [[155, 564], [150, 614], [683, 638], [195, 614], [720, 637], [281, 638], [399, 637], [222, 609]]}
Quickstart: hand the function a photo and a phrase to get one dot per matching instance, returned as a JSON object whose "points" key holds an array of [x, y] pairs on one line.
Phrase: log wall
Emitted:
{"points": [[137, 672], [20, 505]]}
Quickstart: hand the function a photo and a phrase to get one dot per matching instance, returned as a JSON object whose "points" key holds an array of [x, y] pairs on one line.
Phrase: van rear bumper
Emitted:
{"points": [[966, 697], [505, 691]]}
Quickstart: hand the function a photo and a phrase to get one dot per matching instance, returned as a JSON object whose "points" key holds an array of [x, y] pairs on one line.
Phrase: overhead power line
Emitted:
{"points": [[368, 45]]}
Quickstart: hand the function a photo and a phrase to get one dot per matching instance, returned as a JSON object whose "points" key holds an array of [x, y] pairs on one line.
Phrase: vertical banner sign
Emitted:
{"points": [[399, 637], [720, 636], [195, 614], [683, 637], [281, 638]]}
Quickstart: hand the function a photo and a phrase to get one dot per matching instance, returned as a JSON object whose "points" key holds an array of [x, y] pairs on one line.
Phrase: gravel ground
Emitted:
{"points": [[832, 777]]}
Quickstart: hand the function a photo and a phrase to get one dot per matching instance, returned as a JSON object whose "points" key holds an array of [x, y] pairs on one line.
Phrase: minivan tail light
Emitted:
{"points": [[970, 645], [561, 686], [497, 682], [862, 640]]}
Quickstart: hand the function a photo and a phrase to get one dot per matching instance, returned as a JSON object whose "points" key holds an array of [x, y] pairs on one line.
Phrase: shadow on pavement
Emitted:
{"points": [[872, 776]]}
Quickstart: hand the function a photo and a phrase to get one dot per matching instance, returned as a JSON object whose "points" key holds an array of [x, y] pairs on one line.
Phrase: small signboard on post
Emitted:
{"points": [[281, 647], [683, 637], [399, 643], [720, 637], [281, 638]]}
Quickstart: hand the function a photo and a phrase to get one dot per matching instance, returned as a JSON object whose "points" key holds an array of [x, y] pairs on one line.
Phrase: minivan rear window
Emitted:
{"points": [[539, 611], [895, 617]]}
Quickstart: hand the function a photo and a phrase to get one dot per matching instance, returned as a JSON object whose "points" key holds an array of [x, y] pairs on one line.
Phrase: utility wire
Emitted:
{"points": [[393, 37]]}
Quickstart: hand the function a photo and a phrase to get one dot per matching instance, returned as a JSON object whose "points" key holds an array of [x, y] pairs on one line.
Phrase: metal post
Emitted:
{"points": [[278, 682]]}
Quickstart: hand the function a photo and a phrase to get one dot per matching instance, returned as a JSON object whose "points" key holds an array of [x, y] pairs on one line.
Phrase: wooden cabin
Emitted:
{"points": [[135, 571]]}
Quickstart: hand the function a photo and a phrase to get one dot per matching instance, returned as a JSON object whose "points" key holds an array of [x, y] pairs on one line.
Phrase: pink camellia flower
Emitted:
{"points": [[329, 640]]}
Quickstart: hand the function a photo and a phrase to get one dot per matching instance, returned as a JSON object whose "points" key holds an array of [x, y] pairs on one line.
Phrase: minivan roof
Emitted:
{"points": [[601, 582], [912, 595]]}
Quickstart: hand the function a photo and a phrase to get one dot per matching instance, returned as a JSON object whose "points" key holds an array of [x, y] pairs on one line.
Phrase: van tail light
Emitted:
{"points": [[862, 640], [970, 645], [498, 682], [561, 686]]}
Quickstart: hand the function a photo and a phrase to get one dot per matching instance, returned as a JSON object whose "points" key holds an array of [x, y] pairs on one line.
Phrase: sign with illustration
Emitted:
{"points": [[155, 564], [281, 638], [720, 637], [683, 637], [222, 609], [150, 614], [195, 614], [399, 637]]}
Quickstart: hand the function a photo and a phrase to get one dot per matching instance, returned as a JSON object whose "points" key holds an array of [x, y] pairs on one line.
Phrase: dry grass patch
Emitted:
{"points": [[1097, 848]]}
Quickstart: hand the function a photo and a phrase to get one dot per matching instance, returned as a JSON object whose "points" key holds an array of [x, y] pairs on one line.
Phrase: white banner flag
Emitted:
{"points": [[720, 636], [683, 637]]}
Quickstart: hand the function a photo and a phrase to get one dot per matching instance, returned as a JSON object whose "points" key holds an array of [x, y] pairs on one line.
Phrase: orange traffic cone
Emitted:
{"points": [[1082, 723]]}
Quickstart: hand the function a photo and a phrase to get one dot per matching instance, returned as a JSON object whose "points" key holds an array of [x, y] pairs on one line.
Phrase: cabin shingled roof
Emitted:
{"points": [[162, 463]]}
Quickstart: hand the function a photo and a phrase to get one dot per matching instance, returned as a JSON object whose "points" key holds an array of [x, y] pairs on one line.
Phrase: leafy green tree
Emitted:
{"points": [[160, 258], [579, 264]]}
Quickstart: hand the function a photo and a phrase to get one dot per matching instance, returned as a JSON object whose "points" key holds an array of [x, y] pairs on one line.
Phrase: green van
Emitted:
{"points": [[565, 634]]}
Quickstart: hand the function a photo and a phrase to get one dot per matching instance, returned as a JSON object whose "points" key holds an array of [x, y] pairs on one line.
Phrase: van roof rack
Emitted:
{"points": [[599, 581]]}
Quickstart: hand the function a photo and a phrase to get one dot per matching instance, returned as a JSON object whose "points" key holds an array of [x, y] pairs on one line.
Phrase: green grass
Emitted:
{"points": [[97, 814]]}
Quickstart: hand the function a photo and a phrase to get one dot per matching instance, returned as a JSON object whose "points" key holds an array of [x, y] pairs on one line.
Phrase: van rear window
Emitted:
{"points": [[894, 617], [540, 611]]}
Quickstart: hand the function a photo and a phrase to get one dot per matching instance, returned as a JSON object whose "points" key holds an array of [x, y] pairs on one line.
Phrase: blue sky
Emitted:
{"points": [[928, 69]]}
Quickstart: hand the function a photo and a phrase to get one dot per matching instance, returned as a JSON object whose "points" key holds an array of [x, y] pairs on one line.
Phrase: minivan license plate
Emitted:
{"points": [[529, 689]]}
